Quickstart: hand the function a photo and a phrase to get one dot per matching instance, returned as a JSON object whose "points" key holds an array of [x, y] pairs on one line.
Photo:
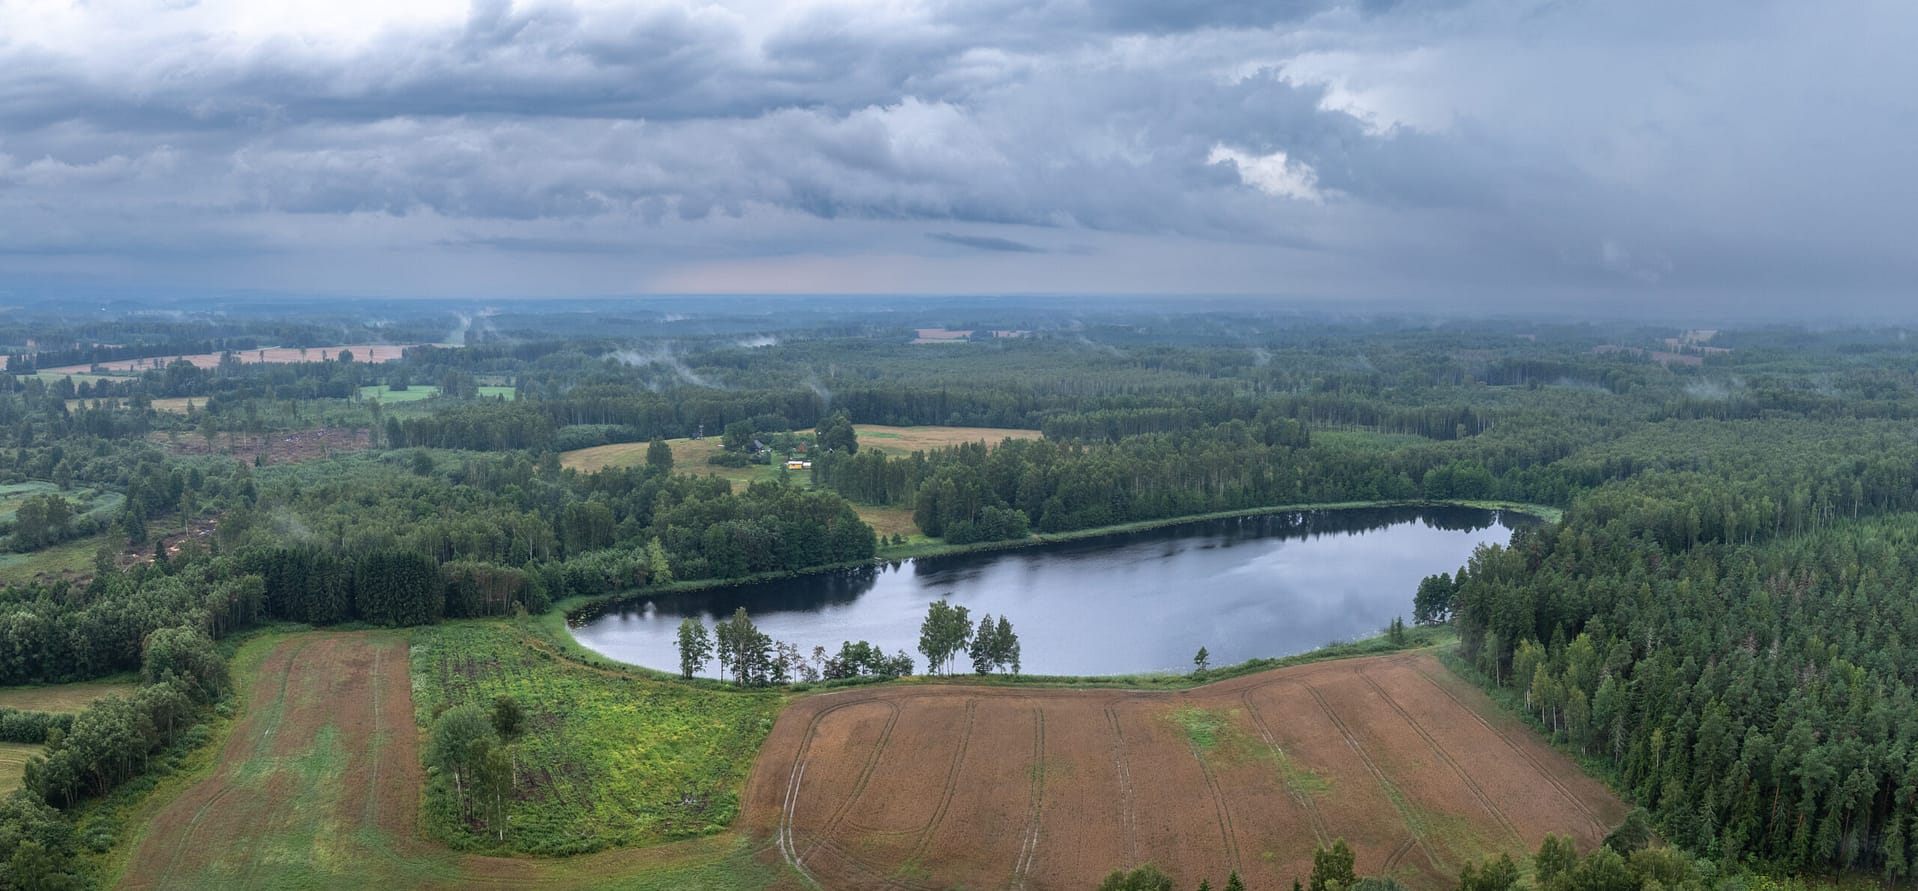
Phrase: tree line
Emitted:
{"points": [[754, 659]]}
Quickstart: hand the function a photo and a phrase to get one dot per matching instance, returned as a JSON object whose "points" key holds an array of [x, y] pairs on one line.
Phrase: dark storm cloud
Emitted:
{"points": [[1150, 16], [986, 243], [1336, 146]]}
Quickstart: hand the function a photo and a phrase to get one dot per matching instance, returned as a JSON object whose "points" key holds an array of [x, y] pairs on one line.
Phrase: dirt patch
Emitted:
{"points": [[284, 447], [920, 787]]}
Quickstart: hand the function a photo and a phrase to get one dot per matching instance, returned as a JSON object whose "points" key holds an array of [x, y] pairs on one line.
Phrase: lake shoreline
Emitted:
{"points": [[571, 607], [1315, 575]]}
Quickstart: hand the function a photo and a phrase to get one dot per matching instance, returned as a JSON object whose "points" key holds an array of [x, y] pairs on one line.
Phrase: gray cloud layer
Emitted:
{"points": [[1499, 152]]}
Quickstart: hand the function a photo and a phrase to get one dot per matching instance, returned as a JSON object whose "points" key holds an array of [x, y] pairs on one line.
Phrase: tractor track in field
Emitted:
{"points": [[1413, 823], [1478, 792], [877, 874], [1035, 798], [865, 773], [1303, 797], [952, 784], [200, 813], [1397, 856], [1219, 809], [1128, 797], [1314, 752], [1585, 810]]}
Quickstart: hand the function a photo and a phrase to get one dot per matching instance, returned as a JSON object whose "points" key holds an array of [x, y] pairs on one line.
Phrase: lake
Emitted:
{"points": [[1262, 586]]}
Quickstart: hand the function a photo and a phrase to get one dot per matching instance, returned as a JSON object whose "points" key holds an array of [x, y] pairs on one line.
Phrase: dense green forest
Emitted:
{"points": [[1724, 616]]}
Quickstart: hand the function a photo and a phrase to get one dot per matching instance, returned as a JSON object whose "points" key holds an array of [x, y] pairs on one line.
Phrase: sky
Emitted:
{"points": [[1725, 154]]}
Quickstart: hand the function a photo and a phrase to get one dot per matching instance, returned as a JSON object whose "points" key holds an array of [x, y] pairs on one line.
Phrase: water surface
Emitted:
{"points": [[1262, 586]]}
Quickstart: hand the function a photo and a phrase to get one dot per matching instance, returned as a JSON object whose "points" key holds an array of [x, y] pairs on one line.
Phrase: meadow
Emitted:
{"points": [[611, 760], [68, 560], [384, 394], [64, 697], [13, 763]]}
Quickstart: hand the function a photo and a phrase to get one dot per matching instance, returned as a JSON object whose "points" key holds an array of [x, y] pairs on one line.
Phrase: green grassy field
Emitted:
{"points": [[689, 457], [414, 393], [72, 558], [419, 392], [12, 494], [93, 501], [13, 763], [614, 760], [63, 697]]}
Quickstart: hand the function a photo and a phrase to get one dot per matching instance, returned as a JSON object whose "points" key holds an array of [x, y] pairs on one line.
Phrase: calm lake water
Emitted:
{"points": [[1262, 586]]}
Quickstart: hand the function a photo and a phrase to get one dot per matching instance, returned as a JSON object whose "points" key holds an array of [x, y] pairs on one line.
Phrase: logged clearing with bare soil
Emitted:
{"points": [[318, 786], [944, 787], [280, 447]]}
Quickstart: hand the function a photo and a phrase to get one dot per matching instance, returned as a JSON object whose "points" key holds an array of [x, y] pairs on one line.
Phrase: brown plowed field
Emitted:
{"points": [[992, 787]]}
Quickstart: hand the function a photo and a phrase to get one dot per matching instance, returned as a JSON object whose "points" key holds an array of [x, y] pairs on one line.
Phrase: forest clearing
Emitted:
{"points": [[62, 698], [13, 762], [689, 455], [906, 440], [989, 787]]}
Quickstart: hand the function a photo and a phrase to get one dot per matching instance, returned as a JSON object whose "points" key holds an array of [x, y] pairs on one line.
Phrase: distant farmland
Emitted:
{"points": [[906, 440], [689, 455], [924, 787], [362, 352]]}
